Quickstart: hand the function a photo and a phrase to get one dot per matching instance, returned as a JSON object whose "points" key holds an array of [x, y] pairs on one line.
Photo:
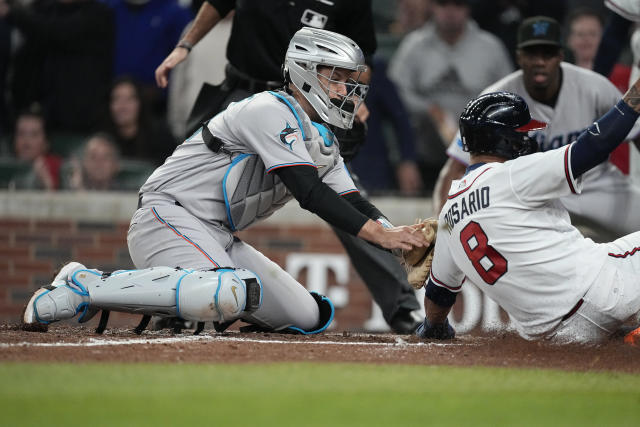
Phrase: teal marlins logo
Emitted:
{"points": [[540, 28], [288, 136]]}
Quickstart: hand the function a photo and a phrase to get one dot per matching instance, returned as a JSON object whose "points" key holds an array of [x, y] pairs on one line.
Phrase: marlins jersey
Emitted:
{"points": [[236, 186], [503, 230], [584, 97]]}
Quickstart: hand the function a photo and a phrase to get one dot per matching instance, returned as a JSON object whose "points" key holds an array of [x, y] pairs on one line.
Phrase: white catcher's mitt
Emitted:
{"points": [[417, 261]]}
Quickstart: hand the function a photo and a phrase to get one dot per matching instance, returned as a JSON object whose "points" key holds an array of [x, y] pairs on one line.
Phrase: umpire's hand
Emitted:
{"points": [[162, 72]]}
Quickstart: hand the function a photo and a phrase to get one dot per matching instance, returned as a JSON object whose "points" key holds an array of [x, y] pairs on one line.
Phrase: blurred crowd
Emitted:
{"points": [[80, 109]]}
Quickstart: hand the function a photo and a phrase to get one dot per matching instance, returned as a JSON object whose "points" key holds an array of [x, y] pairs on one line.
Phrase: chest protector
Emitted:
{"points": [[251, 194]]}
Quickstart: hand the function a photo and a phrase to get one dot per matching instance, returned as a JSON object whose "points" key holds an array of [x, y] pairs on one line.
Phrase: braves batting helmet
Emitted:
{"points": [[498, 123], [310, 48]]}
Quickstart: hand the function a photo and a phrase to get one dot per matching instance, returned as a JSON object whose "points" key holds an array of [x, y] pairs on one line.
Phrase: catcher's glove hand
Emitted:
{"points": [[417, 261]]}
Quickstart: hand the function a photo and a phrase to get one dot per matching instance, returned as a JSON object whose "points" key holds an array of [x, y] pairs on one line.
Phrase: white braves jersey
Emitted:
{"points": [[236, 187], [503, 229]]}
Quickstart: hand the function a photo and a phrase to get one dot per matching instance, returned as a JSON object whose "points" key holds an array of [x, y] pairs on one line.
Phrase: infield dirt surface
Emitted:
{"points": [[80, 344]]}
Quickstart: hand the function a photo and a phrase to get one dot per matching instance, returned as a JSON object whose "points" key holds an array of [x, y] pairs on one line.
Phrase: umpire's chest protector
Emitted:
{"points": [[251, 194]]}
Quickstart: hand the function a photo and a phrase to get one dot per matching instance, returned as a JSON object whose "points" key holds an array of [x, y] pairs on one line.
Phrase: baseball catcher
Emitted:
{"points": [[239, 168]]}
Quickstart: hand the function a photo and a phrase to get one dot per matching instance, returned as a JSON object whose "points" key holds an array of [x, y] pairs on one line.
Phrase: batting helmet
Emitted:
{"points": [[312, 47], [498, 123]]}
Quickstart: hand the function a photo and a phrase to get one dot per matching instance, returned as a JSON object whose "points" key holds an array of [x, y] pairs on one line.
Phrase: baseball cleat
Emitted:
{"points": [[29, 314], [52, 304], [30, 319], [633, 338]]}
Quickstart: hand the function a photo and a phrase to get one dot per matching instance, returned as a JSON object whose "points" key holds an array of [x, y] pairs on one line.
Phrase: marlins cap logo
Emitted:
{"points": [[288, 136], [540, 28]]}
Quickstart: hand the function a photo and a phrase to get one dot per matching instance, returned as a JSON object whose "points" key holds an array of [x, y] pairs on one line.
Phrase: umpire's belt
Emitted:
{"points": [[573, 310], [240, 80]]}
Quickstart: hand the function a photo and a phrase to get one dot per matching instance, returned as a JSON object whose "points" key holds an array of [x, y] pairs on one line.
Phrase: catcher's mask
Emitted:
{"points": [[498, 123], [311, 48]]}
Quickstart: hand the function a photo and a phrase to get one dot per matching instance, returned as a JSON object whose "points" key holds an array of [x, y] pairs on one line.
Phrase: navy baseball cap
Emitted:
{"points": [[539, 30]]}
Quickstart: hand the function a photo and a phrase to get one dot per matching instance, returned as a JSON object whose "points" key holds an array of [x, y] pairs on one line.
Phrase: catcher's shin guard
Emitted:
{"points": [[217, 295]]}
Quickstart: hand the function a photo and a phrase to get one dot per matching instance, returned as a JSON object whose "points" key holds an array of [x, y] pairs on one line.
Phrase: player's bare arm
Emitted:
{"points": [[451, 170], [206, 19], [402, 237], [436, 313], [437, 304], [632, 97]]}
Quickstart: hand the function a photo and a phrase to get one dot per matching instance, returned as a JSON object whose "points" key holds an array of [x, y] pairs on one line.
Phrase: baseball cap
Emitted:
{"points": [[539, 30]]}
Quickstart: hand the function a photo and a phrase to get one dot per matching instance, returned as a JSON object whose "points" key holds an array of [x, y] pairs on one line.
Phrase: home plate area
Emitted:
{"points": [[63, 343]]}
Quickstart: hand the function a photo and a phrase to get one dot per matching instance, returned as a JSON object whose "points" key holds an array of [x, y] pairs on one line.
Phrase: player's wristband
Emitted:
{"points": [[185, 45], [384, 222]]}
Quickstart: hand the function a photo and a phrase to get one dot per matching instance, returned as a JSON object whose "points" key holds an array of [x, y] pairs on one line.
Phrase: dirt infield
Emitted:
{"points": [[81, 344]]}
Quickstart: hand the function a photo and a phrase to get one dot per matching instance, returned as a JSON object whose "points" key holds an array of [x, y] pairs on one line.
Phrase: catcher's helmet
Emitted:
{"points": [[498, 123], [312, 47]]}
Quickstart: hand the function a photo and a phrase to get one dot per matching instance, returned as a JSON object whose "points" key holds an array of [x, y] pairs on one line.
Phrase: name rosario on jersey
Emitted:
{"points": [[466, 205]]}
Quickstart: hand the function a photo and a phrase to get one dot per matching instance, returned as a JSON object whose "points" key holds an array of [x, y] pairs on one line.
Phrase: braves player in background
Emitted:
{"points": [[259, 36], [238, 168], [568, 99], [504, 229]]}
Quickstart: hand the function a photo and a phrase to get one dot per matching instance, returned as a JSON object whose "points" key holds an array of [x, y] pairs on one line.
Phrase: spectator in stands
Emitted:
{"points": [[137, 134], [98, 166], [146, 32], [502, 18], [585, 31], [65, 63], [410, 15], [442, 65], [586, 28], [32, 146]]}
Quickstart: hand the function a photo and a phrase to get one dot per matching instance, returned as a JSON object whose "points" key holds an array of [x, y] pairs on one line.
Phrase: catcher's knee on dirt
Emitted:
{"points": [[216, 295]]}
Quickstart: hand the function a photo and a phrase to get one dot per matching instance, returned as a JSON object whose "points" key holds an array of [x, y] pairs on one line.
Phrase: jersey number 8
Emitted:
{"points": [[488, 262]]}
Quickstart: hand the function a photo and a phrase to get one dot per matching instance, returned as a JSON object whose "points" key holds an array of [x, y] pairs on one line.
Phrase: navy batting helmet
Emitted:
{"points": [[498, 123]]}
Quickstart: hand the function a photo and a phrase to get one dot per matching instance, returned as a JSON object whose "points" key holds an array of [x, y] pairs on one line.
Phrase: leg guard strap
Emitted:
{"points": [[104, 319]]}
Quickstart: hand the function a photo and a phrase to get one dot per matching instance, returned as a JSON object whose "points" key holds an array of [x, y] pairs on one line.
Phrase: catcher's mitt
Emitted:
{"points": [[417, 261]]}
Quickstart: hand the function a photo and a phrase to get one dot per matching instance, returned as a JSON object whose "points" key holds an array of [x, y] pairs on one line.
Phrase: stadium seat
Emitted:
{"points": [[66, 143], [133, 173], [12, 169]]}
